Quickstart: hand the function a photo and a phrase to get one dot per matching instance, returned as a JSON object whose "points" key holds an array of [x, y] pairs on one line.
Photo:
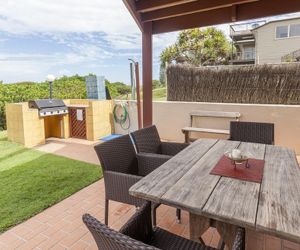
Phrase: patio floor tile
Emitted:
{"points": [[58, 247], [73, 238], [34, 242], [79, 245], [53, 240]]}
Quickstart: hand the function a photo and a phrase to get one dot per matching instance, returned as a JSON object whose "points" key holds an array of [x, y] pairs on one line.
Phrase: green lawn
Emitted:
{"points": [[31, 181], [159, 94]]}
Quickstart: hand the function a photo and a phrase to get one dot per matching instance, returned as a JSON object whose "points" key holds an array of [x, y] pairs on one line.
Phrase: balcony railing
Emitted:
{"points": [[247, 55], [244, 28]]}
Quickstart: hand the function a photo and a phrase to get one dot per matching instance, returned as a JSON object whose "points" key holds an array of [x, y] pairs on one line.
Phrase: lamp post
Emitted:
{"points": [[132, 80], [50, 79], [137, 89]]}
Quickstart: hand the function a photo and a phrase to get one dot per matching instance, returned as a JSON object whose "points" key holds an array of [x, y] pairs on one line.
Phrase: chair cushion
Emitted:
{"points": [[165, 240]]}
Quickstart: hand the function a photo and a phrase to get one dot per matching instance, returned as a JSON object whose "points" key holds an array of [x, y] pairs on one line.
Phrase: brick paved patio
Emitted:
{"points": [[61, 227]]}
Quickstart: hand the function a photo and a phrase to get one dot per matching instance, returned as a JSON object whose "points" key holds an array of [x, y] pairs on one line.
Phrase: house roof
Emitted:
{"points": [[276, 21], [173, 15]]}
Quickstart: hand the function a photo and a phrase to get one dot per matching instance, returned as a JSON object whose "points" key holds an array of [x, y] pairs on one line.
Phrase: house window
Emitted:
{"points": [[282, 31], [295, 30], [249, 53]]}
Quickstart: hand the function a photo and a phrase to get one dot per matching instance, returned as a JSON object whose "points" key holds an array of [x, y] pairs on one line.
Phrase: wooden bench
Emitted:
{"points": [[213, 114]]}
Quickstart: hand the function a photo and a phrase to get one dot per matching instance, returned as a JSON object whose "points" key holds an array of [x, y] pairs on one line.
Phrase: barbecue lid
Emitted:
{"points": [[46, 103]]}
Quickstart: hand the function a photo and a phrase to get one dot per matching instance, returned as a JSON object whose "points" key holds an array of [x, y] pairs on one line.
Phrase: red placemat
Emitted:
{"points": [[254, 172]]}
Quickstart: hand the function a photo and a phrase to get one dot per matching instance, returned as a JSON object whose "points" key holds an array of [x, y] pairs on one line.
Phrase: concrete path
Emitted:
{"points": [[77, 149]]}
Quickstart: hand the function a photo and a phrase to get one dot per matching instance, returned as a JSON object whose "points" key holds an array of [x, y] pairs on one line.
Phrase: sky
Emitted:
{"points": [[67, 37]]}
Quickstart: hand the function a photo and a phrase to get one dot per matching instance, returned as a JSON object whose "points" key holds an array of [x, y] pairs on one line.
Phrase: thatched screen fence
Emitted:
{"points": [[264, 84]]}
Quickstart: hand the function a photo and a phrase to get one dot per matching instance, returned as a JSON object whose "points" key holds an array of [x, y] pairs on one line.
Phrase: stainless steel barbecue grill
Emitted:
{"points": [[49, 107]]}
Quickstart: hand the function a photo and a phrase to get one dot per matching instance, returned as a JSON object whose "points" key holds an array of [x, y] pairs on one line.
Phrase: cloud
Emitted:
{"points": [[81, 33], [123, 41], [83, 36], [28, 67], [29, 16], [63, 19], [25, 57], [12, 70]]}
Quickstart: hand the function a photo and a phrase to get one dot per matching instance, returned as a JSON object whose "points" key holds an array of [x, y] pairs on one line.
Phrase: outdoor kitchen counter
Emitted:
{"points": [[185, 182], [77, 106]]}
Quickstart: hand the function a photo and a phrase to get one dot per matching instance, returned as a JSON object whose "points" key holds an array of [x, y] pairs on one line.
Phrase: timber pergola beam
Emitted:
{"points": [[160, 16], [130, 5], [238, 12], [151, 5], [189, 8], [183, 14]]}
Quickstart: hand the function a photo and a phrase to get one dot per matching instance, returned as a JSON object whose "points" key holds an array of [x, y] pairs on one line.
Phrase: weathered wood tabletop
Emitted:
{"points": [[185, 182]]}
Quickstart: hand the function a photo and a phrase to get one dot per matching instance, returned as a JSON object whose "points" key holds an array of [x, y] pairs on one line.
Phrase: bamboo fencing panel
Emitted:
{"points": [[260, 84]]}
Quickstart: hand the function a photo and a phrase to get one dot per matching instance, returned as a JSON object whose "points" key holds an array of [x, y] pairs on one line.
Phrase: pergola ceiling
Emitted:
{"points": [[173, 15], [159, 16]]}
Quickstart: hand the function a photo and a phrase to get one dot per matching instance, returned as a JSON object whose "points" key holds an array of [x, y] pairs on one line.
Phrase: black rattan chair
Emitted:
{"points": [[152, 152], [138, 233], [120, 170], [252, 132], [147, 140]]}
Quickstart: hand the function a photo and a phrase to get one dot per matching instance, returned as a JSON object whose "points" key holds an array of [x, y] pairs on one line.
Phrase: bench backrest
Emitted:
{"points": [[216, 114]]}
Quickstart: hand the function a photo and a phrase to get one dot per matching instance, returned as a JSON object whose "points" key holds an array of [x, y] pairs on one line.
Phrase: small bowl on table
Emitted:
{"points": [[238, 159]]}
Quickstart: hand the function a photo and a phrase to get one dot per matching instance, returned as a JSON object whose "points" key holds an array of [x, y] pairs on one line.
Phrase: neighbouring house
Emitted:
{"points": [[266, 42], [244, 41]]}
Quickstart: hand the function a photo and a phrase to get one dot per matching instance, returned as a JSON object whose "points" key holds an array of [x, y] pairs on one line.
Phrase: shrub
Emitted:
{"points": [[64, 88]]}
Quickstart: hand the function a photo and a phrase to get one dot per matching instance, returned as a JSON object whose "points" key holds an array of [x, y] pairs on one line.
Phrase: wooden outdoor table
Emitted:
{"points": [[185, 182]]}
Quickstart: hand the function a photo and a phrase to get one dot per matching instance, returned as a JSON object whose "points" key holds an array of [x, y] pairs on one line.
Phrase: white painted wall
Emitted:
{"points": [[132, 110], [171, 117]]}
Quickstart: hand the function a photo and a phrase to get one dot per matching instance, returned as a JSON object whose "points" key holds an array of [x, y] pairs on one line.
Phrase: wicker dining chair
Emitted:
{"points": [[120, 170], [147, 140], [138, 233], [252, 132], [152, 152]]}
